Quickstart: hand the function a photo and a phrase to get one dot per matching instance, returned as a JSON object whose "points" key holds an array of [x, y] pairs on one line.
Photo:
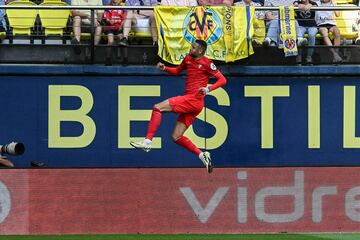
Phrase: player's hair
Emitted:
{"points": [[202, 44]]}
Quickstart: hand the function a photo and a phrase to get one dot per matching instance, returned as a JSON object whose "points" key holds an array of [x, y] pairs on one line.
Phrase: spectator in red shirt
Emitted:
{"points": [[199, 69], [114, 19]]}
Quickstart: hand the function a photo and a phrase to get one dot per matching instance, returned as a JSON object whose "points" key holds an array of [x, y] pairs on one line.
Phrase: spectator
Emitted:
{"points": [[356, 26], [259, 26], [114, 20], [83, 18], [3, 27], [133, 16], [273, 25], [215, 2], [307, 24], [180, 3], [261, 2], [4, 162], [326, 23]]}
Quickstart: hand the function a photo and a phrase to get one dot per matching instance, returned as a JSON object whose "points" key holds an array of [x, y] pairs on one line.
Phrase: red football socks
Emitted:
{"points": [[187, 144], [154, 123], [182, 141]]}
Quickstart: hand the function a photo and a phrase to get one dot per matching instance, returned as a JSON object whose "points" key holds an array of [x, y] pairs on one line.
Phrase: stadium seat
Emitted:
{"points": [[345, 22], [54, 21], [21, 21], [2, 35], [52, 1], [141, 30], [342, 2]]}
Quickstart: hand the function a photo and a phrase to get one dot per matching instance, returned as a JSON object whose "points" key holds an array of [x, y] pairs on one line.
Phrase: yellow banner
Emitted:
{"points": [[288, 31], [227, 31]]}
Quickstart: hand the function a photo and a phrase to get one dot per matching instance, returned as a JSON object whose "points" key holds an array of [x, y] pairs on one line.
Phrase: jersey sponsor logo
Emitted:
{"points": [[202, 23]]}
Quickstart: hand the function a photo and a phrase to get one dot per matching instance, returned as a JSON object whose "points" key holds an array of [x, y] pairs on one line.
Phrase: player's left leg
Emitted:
{"points": [[205, 157], [180, 139]]}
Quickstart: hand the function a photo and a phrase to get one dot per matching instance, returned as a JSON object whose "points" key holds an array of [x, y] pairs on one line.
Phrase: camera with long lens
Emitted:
{"points": [[13, 148]]}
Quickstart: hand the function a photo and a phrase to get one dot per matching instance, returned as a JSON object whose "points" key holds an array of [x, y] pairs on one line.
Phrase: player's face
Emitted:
{"points": [[195, 50]]}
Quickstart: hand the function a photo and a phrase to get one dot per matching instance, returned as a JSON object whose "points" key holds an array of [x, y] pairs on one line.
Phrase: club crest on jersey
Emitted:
{"points": [[202, 23], [212, 66], [199, 66]]}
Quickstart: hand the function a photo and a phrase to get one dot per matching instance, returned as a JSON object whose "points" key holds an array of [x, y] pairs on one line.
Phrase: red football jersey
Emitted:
{"points": [[116, 15], [198, 73]]}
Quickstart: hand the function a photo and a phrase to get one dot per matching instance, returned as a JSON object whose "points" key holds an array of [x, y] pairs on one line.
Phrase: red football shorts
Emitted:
{"points": [[189, 106]]}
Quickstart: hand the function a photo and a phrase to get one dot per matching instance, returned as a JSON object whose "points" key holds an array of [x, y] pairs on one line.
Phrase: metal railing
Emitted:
{"points": [[95, 8]]}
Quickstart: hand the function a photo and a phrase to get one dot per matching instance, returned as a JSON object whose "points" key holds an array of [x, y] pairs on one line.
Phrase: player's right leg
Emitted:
{"points": [[144, 145], [154, 123]]}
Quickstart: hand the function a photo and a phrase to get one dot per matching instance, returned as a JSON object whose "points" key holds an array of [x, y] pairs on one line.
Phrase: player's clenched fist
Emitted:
{"points": [[160, 66], [204, 90]]}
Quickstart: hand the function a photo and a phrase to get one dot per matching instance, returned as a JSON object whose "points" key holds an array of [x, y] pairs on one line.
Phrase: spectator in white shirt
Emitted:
{"points": [[82, 18], [326, 23]]}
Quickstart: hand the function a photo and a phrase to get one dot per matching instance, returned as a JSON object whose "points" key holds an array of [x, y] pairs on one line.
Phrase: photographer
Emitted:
{"points": [[12, 148], [4, 162]]}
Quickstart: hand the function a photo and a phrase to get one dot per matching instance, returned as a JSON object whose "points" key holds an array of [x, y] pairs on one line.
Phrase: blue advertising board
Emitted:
{"points": [[88, 120]]}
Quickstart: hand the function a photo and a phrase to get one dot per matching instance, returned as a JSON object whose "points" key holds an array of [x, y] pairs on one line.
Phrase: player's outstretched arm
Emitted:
{"points": [[170, 70]]}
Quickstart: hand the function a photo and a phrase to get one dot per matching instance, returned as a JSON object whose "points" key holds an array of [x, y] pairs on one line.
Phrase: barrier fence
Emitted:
{"points": [[345, 24]]}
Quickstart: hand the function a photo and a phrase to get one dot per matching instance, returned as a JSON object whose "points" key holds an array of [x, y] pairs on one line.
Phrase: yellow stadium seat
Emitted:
{"points": [[141, 29], [342, 2], [51, 1], [54, 21], [21, 20], [2, 35], [345, 21], [135, 34]]}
